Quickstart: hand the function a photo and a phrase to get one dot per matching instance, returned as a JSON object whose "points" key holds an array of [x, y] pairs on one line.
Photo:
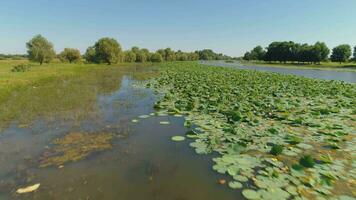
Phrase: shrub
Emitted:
{"points": [[276, 150], [307, 161], [21, 68]]}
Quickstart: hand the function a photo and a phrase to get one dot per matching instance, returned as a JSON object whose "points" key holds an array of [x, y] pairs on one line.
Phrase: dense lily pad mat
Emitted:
{"points": [[242, 115]]}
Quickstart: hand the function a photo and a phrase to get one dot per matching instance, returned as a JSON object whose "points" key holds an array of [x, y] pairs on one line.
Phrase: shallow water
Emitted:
{"points": [[310, 73], [143, 163]]}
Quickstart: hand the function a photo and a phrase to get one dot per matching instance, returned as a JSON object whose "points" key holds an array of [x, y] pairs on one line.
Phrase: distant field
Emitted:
{"points": [[323, 65]]}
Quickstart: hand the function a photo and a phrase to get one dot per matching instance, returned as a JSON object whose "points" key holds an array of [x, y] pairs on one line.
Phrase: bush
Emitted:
{"points": [[21, 68], [307, 161], [276, 150], [70, 55]]}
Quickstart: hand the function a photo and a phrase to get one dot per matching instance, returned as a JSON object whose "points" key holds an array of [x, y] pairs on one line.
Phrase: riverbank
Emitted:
{"points": [[322, 66], [40, 74]]}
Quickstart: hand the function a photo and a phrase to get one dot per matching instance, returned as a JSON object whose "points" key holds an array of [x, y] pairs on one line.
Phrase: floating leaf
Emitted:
{"points": [[235, 185], [28, 189], [178, 138], [251, 194]]}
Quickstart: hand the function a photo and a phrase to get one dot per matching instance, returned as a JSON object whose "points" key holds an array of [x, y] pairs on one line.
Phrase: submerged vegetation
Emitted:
{"points": [[271, 131], [74, 147]]}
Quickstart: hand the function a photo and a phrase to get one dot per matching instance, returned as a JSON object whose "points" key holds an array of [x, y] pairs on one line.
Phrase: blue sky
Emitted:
{"points": [[228, 26]]}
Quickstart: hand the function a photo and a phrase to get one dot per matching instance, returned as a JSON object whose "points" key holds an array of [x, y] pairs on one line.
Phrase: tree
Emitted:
{"points": [[156, 57], [320, 52], [90, 55], [341, 53], [141, 57], [40, 50], [107, 50], [247, 56], [354, 56], [129, 56], [70, 55]]}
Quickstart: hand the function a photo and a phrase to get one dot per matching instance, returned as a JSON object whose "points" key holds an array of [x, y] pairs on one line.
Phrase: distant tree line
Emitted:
{"points": [[12, 56], [108, 50], [289, 51]]}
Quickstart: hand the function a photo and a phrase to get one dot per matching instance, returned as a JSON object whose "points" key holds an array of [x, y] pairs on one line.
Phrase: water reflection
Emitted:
{"points": [[143, 162]]}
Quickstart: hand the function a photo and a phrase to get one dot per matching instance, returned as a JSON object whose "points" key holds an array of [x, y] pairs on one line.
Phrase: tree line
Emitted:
{"points": [[288, 51], [109, 50]]}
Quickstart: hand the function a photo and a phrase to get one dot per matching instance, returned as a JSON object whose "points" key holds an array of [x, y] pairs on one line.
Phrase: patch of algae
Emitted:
{"points": [[75, 146]]}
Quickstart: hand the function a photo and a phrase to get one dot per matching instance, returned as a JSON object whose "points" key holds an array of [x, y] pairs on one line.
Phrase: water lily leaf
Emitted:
{"points": [[164, 122], [178, 138], [251, 194], [143, 116], [235, 185]]}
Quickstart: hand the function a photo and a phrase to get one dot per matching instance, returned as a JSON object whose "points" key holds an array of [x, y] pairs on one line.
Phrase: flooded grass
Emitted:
{"points": [[74, 147]]}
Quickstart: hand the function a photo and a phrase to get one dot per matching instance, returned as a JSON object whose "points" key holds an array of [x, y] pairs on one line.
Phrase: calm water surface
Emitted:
{"points": [[310, 73], [143, 163]]}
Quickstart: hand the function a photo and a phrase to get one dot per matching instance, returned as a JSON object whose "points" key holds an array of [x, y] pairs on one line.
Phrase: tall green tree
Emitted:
{"points": [[354, 57], [341, 53], [107, 50], [320, 52], [40, 50], [70, 55], [90, 55], [129, 56], [156, 57]]}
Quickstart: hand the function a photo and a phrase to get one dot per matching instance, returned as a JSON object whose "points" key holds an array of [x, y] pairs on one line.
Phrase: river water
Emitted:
{"points": [[143, 162], [346, 76]]}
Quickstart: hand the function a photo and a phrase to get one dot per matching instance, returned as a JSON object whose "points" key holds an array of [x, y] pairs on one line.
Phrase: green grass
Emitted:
{"points": [[323, 65], [68, 91]]}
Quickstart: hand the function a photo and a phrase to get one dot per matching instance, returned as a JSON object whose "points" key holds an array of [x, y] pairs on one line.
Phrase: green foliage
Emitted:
{"points": [[70, 55], [258, 53], [40, 49], [129, 56], [90, 55], [208, 54], [354, 55], [156, 57], [141, 57], [341, 53], [291, 52], [21, 68], [276, 150], [107, 50], [307, 161]]}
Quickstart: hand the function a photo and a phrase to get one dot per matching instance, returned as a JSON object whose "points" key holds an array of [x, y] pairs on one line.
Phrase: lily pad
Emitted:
{"points": [[178, 138], [251, 194], [235, 185]]}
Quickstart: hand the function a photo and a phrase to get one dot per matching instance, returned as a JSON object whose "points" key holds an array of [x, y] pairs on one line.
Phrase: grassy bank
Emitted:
{"points": [[321, 66], [56, 89]]}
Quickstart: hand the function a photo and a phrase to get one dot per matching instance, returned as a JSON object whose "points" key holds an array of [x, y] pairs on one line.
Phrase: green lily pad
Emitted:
{"points": [[178, 138], [164, 122], [251, 194], [235, 185]]}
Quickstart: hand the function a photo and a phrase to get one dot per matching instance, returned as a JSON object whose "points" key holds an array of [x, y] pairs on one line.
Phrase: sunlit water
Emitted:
{"points": [[143, 164], [346, 76]]}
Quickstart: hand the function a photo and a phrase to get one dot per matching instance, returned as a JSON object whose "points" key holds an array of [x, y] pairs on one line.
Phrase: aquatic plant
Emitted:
{"points": [[239, 114], [74, 147]]}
